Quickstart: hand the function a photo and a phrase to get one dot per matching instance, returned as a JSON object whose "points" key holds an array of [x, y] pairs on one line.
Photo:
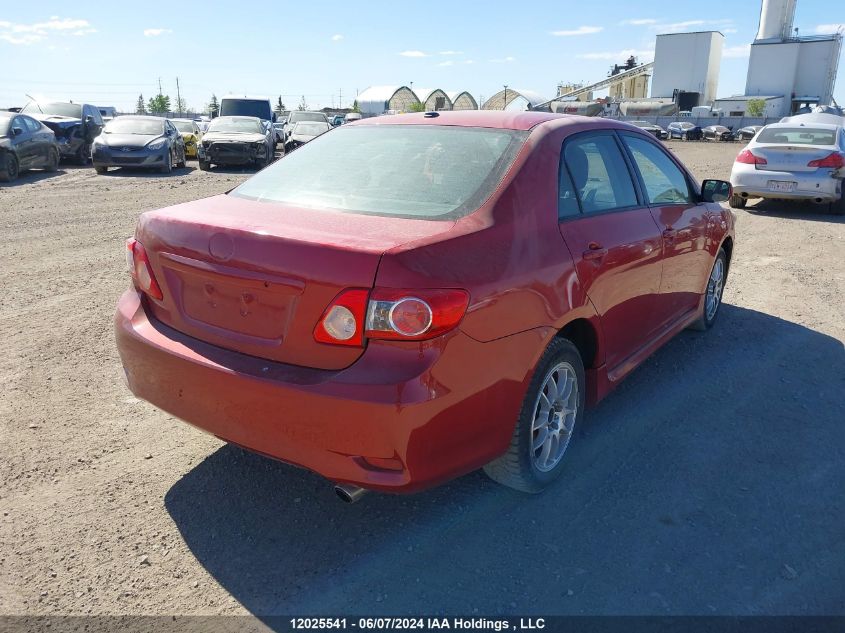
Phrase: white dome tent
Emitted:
{"points": [[377, 100]]}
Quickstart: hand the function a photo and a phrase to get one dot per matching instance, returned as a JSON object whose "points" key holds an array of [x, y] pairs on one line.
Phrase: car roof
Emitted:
{"points": [[184, 120], [505, 120], [808, 123], [237, 118], [9, 114]]}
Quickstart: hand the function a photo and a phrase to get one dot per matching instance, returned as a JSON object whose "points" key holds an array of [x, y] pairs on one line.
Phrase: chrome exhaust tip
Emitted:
{"points": [[349, 493]]}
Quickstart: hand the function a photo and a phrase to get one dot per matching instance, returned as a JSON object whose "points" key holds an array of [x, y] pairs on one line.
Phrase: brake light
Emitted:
{"points": [[343, 321], [749, 158], [834, 161], [391, 314], [141, 270]]}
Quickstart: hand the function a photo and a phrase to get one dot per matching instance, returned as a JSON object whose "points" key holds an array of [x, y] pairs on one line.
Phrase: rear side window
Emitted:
{"points": [[567, 201], [664, 182], [599, 174], [32, 124]]}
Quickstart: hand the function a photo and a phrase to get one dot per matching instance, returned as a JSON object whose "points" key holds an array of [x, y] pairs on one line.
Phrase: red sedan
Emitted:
{"points": [[409, 298]]}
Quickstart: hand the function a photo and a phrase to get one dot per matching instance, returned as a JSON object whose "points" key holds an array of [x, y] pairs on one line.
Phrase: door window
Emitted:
{"points": [[31, 124], [567, 202], [663, 180], [599, 174]]}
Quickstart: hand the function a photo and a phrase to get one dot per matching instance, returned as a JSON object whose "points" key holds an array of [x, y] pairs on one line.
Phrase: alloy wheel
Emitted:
{"points": [[555, 413], [715, 286]]}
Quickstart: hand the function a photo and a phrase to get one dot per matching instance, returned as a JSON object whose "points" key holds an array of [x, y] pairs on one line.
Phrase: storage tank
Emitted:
{"points": [[577, 107], [776, 19], [647, 108]]}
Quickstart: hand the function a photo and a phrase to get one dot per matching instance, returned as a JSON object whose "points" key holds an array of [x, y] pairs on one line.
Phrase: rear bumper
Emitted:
{"points": [[754, 183], [441, 409]]}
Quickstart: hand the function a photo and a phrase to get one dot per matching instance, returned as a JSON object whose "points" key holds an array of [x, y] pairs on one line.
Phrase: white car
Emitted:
{"points": [[800, 159]]}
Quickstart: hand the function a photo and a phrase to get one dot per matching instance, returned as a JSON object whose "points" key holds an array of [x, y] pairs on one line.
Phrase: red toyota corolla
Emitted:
{"points": [[409, 298]]}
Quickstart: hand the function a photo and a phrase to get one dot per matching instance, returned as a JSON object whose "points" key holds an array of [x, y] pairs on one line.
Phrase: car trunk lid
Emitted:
{"points": [[256, 277], [790, 158]]}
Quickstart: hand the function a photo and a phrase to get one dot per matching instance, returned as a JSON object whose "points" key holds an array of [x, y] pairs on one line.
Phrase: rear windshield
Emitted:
{"points": [[246, 126], [246, 107], [310, 128], [125, 125], [307, 116], [186, 127], [796, 136], [424, 172], [59, 109]]}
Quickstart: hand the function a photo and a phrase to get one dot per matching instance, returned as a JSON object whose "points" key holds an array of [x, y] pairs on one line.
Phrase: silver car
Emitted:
{"points": [[800, 159]]}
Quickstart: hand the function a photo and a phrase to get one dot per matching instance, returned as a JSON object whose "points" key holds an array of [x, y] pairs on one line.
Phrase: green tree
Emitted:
{"points": [[140, 108], [213, 106], [159, 104], [755, 107], [303, 105], [280, 105], [417, 107], [356, 107]]}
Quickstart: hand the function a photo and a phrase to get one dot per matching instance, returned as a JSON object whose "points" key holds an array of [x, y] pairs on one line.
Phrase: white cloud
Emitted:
{"points": [[581, 30], [447, 63], [737, 51], [827, 29], [503, 60], [686, 25], [451, 53], [337, 38], [156, 32], [450, 62], [638, 22], [25, 34], [413, 54], [620, 56], [729, 31]]}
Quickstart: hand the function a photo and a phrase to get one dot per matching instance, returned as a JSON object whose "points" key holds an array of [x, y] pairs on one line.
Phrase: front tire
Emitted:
{"points": [[552, 409], [204, 165], [182, 163], [83, 156], [53, 161], [738, 202], [101, 170], [713, 293], [168, 164]]}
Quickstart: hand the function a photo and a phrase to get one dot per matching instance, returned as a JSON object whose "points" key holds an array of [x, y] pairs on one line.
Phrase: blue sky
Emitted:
{"points": [[109, 53]]}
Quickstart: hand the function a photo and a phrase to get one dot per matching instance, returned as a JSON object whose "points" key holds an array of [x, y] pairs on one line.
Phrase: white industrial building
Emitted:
{"points": [[686, 67], [738, 105], [800, 70]]}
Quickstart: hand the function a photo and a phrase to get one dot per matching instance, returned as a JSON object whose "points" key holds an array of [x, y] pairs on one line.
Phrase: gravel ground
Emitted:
{"points": [[710, 482]]}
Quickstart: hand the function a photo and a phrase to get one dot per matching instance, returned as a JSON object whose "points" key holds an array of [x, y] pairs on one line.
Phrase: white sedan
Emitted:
{"points": [[802, 158]]}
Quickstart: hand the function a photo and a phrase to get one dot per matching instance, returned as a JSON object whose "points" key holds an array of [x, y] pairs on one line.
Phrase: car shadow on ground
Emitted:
{"points": [[134, 172], [32, 176], [709, 482], [795, 211]]}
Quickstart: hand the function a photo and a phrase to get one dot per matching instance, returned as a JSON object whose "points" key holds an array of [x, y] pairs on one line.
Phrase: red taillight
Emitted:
{"points": [[414, 315], [392, 314], [141, 270], [343, 321], [833, 161], [749, 158]]}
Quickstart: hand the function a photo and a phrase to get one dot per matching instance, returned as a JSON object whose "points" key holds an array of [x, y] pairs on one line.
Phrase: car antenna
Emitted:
{"points": [[35, 101]]}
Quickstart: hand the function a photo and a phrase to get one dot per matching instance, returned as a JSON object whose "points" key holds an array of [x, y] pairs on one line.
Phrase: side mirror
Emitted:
{"points": [[716, 190], [17, 131]]}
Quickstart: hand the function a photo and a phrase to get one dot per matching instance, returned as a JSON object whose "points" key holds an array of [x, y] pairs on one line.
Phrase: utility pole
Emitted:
{"points": [[506, 98], [159, 85], [340, 99], [178, 97]]}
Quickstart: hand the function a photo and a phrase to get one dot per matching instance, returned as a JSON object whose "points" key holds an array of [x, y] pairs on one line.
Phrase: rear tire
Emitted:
{"points": [[713, 293], [738, 202], [10, 168], [181, 163], [552, 409]]}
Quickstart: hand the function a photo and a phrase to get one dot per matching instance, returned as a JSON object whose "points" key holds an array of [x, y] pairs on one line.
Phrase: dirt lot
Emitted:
{"points": [[711, 482]]}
